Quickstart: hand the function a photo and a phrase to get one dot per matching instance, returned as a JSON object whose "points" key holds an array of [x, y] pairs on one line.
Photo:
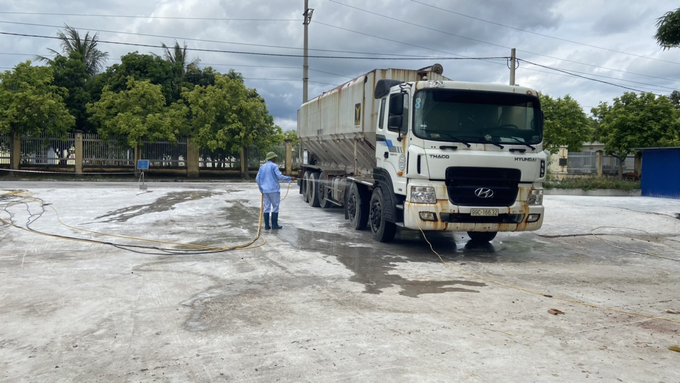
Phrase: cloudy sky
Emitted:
{"points": [[593, 50]]}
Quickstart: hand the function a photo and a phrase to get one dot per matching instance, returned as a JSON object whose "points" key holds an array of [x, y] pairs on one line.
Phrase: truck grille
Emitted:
{"points": [[467, 218], [469, 186]]}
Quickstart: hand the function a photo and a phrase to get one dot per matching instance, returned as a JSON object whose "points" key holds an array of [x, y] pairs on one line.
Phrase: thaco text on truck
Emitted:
{"points": [[413, 149]]}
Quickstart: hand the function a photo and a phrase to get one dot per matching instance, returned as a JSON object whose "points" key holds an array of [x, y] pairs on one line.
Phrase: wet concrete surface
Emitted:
{"points": [[142, 291]]}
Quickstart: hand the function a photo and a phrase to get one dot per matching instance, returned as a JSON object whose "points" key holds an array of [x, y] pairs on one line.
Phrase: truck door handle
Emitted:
{"points": [[386, 155]]}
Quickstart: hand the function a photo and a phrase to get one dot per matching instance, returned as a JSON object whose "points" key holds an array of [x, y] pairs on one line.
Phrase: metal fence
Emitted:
{"points": [[165, 154], [218, 159], [47, 150], [100, 152], [586, 163], [115, 153], [256, 157], [4, 149]]}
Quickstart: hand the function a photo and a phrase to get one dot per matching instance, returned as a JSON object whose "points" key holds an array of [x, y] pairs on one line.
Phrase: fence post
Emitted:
{"points": [[244, 163], [192, 159], [15, 152], [600, 162], [289, 156], [137, 154], [79, 152], [637, 165]]}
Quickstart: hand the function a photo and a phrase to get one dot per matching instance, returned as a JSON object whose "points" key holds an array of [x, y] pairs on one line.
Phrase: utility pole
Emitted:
{"points": [[305, 64], [513, 65]]}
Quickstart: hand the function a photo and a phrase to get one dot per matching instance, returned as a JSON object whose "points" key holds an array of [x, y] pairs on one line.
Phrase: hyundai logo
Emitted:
{"points": [[484, 193]]}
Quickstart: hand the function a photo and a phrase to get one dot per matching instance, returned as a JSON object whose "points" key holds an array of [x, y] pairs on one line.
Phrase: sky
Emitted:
{"points": [[592, 50]]}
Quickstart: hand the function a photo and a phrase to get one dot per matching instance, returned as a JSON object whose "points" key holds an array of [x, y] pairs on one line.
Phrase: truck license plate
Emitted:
{"points": [[484, 212]]}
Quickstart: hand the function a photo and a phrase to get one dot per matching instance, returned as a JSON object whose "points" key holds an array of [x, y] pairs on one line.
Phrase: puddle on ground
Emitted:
{"points": [[374, 266]]}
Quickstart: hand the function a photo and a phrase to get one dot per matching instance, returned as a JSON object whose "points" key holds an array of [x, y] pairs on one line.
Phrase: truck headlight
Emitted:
{"points": [[423, 194], [535, 197]]}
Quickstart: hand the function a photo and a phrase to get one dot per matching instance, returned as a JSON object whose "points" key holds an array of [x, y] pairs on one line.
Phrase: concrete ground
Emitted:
{"points": [[592, 296]]}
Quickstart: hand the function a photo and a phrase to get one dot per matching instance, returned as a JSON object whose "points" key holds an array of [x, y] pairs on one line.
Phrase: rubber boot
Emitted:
{"points": [[275, 221], [266, 221]]}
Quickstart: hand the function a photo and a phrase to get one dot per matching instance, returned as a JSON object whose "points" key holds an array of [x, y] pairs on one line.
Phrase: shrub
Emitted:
{"points": [[592, 183]]}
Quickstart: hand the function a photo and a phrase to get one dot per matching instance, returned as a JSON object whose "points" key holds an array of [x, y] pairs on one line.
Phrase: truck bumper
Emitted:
{"points": [[444, 216]]}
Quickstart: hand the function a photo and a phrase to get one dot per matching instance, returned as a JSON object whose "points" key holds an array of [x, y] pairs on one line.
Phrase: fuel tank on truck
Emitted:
{"points": [[338, 128]]}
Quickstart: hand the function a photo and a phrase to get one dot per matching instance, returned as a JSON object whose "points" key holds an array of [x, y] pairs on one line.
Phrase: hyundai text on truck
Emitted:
{"points": [[413, 149]]}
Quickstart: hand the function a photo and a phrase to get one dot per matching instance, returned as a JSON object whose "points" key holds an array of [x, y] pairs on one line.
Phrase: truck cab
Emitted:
{"points": [[461, 156]]}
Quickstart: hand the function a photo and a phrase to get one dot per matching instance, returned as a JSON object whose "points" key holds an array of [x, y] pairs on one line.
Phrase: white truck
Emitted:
{"points": [[413, 149]]}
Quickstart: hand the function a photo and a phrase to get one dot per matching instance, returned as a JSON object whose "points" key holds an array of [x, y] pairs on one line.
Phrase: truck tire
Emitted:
{"points": [[383, 231], [357, 207], [482, 236], [324, 192], [304, 186], [313, 190]]}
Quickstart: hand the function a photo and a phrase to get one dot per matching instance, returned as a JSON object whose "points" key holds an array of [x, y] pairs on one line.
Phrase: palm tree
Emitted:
{"points": [[668, 30], [71, 41], [177, 57]]}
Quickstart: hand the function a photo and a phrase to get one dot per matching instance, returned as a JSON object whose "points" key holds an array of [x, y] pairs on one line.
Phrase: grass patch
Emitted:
{"points": [[593, 183]]}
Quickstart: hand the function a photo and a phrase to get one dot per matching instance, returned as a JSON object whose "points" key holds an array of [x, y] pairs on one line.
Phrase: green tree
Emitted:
{"points": [[565, 124], [196, 76], [70, 72], [142, 67], [229, 116], [30, 104], [90, 54], [675, 99], [668, 30], [138, 113], [178, 59], [634, 121]]}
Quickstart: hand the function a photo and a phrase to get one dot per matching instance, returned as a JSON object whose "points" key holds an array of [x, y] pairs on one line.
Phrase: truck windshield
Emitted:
{"points": [[477, 117]]}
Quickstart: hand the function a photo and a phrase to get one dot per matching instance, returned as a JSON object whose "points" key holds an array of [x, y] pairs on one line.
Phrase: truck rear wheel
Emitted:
{"points": [[357, 207], [304, 186], [482, 236], [324, 192], [313, 190], [383, 231]]}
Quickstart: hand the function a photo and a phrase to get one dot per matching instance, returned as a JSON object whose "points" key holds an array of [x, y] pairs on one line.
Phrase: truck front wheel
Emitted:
{"points": [[357, 207], [482, 236], [383, 231]]}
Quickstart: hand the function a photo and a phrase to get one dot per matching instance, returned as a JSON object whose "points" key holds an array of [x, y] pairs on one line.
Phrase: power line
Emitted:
{"points": [[193, 39], [570, 73], [143, 16], [489, 43], [460, 57], [322, 50], [285, 80], [600, 67], [417, 25], [580, 76], [541, 34], [263, 53], [318, 50]]}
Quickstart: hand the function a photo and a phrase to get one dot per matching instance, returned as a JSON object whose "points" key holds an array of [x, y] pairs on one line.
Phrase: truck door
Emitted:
{"points": [[390, 139]]}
